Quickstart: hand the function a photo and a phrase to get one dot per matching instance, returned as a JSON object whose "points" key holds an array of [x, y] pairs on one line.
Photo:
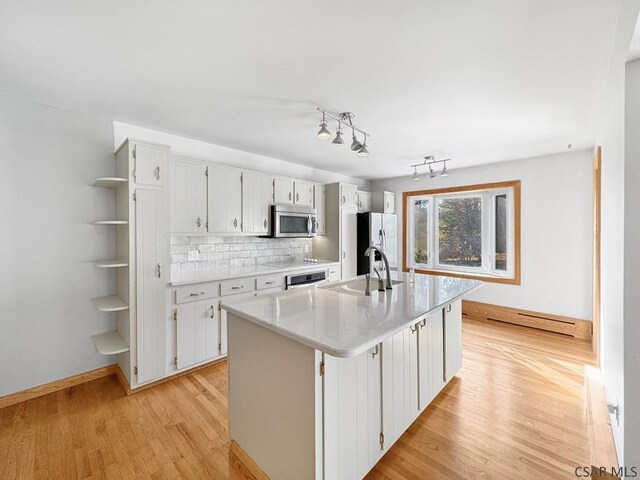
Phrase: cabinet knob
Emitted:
{"points": [[235, 223], [199, 222], [158, 172], [265, 223], [297, 197], [289, 195], [159, 271]]}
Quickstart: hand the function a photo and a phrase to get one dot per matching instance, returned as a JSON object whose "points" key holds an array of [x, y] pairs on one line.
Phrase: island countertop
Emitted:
{"points": [[338, 319]]}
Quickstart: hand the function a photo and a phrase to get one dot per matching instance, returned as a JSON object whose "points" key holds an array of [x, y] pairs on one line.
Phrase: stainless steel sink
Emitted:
{"points": [[356, 286]]}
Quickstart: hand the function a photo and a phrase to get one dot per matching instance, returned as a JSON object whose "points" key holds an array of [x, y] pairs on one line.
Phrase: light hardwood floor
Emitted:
{"points": [[516, 410]]}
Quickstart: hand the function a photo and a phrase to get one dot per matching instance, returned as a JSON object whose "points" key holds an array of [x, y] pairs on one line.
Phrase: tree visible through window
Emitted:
{"points": [[460, 231], [471, 230]]}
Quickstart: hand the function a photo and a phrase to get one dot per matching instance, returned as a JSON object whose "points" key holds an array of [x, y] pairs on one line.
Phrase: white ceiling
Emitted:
{"points": [[479, 81]]}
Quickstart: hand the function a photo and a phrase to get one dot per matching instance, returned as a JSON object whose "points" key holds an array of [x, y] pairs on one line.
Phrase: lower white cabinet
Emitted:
{"points": [[452, 339], [198, 333], [352, 414], [430, 358]]}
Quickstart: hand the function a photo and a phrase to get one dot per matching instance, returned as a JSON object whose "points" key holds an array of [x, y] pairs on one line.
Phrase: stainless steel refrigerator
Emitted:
{"points": [[380, 230]]}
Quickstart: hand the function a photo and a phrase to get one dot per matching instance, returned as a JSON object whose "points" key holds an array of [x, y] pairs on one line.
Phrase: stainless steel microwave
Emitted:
{"points": [[290, 221]]}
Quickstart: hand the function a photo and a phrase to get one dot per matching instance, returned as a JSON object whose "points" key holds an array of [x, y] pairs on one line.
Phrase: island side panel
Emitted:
{"points": [[274, 386]]}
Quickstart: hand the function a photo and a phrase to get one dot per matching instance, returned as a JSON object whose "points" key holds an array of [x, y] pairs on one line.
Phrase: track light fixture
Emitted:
{"points": [[430, 161], [346, 118]]}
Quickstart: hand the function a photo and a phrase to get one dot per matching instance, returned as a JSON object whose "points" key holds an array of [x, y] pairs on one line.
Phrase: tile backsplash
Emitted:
{"points": [[230, 252]]}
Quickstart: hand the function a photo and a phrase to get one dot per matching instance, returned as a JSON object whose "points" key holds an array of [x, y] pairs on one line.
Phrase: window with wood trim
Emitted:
{"points": [[471, 231]]}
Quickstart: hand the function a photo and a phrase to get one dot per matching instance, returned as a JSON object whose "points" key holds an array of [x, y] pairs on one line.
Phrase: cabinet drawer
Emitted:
{"points": [[333, 273], [271, 281], [191, 293], [240, 285]]}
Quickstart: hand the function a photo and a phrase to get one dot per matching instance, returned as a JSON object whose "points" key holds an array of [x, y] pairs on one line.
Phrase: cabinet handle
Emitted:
{"points": [[265, 223], [289, 195], [344, 254], [196, 294], [236, 287], [423, 323], [448, 308], [414, 328], [199, 222], [213, 312], [159, 271], [297, 197], [344, 199], [376, 351], [235, 223], [270, 283], [387, 204], [158, 172]]}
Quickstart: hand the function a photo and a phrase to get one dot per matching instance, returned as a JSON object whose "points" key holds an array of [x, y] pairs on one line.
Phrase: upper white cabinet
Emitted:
{"points": [[257, 193], [349, 196], [283, 190], [383, 202], [364, 201], [150, 164], [319, 202], [303, 193], [188, 197], [224, 200]]}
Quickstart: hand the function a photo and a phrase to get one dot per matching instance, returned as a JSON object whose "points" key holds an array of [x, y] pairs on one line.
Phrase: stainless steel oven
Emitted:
{"points": [[306, 279], [289, 221]]}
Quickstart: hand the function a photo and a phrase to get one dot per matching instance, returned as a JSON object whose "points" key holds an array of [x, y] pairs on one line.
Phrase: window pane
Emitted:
{"points": [[460, 231], [420, 231], [501, 232]]}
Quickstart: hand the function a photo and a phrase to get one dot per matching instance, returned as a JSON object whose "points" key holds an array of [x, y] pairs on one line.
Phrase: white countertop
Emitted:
{"points": [[342, 322], [239, 272]]}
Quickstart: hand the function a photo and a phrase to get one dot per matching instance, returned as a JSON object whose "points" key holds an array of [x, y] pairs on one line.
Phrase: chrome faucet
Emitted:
{"points": [[367, 252]]}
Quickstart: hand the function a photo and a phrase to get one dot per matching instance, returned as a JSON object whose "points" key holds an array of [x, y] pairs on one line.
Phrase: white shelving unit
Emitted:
{"points": [[110, 303], [109, 182], [111, 222], [114, 263], [110, 343]]}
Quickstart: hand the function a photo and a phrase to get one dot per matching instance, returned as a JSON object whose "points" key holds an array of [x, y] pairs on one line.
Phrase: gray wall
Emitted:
{"points": [[48, 160], [556, 215]]}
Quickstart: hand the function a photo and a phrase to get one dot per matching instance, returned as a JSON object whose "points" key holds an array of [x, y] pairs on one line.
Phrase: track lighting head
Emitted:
{"points": [[430, 161], [324, 132], [338, 140], [363, 152], [432, 174], [445, 172], [415, 174], [355, 145]]}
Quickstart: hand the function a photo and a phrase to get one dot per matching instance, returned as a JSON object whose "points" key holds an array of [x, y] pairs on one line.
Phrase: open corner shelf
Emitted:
{"points": [[109, 182], [110, 343], [111, 222], [110, 303], [111, 263]]}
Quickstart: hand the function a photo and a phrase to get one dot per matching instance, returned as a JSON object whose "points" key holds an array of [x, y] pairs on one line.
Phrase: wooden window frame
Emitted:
{"points": [[515, 184]]}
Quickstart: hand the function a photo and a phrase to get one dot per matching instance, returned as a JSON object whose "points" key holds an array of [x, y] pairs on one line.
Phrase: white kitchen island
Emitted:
{"points": [[322, 381]]}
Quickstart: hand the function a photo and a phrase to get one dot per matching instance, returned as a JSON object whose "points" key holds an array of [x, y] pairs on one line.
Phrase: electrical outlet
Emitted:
{"points": [[193, 255]]}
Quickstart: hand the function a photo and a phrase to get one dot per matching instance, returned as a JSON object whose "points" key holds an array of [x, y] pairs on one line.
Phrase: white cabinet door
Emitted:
{"points": [[364, 201], [303, 193], [197, 333], [151, 278], [283, 190], [349, 196], [319, 200], [430, 358], [150, 164], [400, 384], [223, 321], [452, 339], [224, 200], [352, 414], [188, 202], [257, 192], [348, 243], [389, 202]]}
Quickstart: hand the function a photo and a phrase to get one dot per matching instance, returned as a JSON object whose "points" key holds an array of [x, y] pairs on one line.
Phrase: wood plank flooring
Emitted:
{"points": [[516, 410]]}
